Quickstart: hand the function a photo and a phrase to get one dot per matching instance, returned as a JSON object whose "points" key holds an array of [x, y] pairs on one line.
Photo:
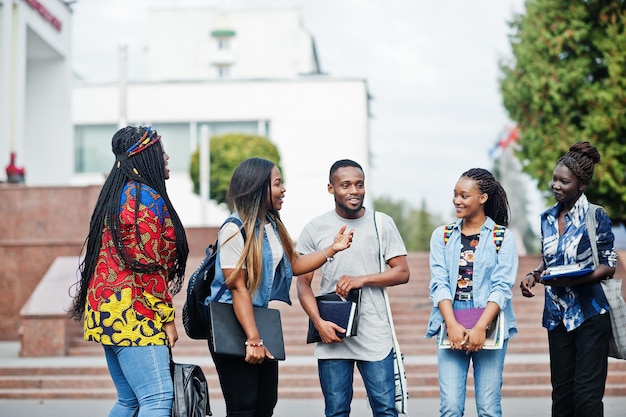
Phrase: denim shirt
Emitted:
{"points": [[573, 305], [272, 287], [494, 273]]}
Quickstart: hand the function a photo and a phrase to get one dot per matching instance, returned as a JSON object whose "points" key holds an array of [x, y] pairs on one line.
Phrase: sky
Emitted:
{"points": [[431, 69]]}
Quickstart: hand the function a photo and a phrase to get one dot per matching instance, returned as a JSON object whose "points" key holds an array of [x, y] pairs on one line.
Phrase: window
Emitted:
{"points": [[223, 44], [223, 128], [223, 71], [92, 148], [92, 145], [175, 138]]}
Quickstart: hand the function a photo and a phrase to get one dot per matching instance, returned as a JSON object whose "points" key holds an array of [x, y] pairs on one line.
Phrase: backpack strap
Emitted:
{"points": [[447, 232], [591, 225], [498, 234], [243, 233]]}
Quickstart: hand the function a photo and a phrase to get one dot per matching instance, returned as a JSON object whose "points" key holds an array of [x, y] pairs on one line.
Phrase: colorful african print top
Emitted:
{"points": [[124, 307]]}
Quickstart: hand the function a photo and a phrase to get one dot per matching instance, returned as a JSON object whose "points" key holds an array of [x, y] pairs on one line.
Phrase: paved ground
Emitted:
{"points": [[512, 407]]}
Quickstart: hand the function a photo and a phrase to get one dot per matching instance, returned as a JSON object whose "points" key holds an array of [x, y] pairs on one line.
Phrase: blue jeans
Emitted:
{"points": [[336, 379], [453, 368], [143, 381]]}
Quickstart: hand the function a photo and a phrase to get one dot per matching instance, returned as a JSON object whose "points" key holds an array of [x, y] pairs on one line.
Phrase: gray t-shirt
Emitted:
{"points": [[374, 340]]}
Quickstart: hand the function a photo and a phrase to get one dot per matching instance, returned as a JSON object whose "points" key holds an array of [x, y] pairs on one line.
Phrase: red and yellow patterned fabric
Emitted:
{"points": [[127, 308]]}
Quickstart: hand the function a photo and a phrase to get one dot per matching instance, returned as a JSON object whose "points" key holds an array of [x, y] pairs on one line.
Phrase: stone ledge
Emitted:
{"points": [[45, 315]]}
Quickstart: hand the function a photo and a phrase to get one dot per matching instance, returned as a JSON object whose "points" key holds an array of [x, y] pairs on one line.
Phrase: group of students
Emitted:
{"points": [[136, 252]]}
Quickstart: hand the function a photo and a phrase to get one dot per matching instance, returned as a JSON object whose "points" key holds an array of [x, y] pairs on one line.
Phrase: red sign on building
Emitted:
{"points": [[45, 13]]}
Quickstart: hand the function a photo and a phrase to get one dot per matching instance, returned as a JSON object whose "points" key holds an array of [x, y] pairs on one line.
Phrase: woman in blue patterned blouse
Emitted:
{"points": [[576, 312]]}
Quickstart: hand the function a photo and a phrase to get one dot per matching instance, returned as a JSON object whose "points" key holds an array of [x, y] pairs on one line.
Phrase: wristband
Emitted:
{"points": [[534, 274], [328, 259], [254, 345]]}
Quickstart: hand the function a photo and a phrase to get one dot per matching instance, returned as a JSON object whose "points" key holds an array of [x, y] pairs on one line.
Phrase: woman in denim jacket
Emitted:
{"points": [[254, 271], [473, 263], [576, 313]]}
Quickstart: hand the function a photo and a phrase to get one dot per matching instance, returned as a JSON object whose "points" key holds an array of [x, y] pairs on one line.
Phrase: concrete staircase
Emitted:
{"points": [[83, 373]]}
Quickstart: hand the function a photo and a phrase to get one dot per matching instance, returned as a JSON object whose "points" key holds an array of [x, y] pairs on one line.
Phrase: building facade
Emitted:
{"points": [[238, 72], [194, 44], [312, 121], [35, 86]]}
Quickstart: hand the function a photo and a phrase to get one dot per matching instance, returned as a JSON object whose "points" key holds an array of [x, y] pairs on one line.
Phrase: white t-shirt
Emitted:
{"points": [[374, 340]]}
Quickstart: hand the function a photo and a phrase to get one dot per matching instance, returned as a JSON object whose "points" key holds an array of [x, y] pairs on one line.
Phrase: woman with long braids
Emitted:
{"points": [[133, 264], [473, 264], [254, 271], [576, 312]]}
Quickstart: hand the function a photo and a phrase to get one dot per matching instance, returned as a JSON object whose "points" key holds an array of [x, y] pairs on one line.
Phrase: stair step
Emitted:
{"points": [[297, 380], [526, 373]]}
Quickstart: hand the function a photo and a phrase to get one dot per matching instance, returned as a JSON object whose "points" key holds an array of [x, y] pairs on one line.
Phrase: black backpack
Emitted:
{"points": [[195, 311], [191, 391]]}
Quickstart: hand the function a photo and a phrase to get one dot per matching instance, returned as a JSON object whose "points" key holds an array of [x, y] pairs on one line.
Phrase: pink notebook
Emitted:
{"points": [[468, 318]]}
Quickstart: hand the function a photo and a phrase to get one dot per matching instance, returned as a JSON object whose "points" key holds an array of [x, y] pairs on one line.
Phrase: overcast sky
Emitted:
{"points": [[431, 67]]}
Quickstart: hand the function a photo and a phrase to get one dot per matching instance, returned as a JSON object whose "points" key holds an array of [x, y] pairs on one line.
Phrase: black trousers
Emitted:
{"points": [[249, 390], [578, 367]]}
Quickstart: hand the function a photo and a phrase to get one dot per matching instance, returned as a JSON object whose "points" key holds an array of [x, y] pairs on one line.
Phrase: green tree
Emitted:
{"points": [[567, 83], [415, 226], [226, 152]]}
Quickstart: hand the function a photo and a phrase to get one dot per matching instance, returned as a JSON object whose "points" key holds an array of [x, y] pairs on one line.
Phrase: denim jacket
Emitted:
{"points": [[272, 287], [494, 273]]}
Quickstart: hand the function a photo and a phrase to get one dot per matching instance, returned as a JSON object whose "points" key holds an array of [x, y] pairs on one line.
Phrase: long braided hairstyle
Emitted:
{"points": [[249, 191], [580, 159], [497, 205], [138, 157]]}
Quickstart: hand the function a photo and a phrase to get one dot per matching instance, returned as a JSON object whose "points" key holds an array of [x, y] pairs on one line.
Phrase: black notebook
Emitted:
{"points": [[228, 338], [343, 312]]}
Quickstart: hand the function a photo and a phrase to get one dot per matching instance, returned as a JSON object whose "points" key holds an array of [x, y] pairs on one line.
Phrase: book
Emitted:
{"points": [[560, 269], [343, 312], [565, 271], [339, 312], [228, 338], [468, 318]]}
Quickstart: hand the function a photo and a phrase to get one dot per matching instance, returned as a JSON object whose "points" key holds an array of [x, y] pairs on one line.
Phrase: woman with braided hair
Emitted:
{"points": [[473, 265], [576, 312], [134, 262]]}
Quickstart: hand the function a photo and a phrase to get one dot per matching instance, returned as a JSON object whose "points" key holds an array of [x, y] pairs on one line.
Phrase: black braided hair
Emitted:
{"points": [[497, 205], [146, 166], [580, 159]]}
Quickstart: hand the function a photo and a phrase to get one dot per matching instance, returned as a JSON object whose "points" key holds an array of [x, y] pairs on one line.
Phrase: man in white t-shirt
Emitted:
{"points": [[358, 267]]}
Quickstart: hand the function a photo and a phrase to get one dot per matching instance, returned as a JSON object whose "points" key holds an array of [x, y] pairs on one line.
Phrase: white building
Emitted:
{"points": [[250, 44], [35, 89], [250, 72]]}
